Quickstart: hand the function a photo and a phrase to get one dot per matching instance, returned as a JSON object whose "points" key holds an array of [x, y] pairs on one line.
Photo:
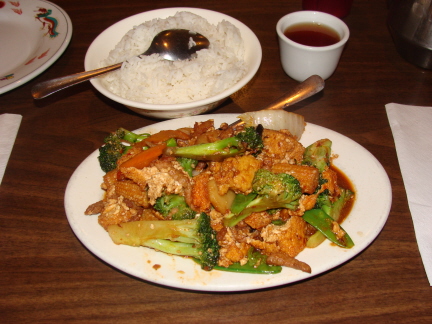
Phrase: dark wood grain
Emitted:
{"points": [[46, 275]]}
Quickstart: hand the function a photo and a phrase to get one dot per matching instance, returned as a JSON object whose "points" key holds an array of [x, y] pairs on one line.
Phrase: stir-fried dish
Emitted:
{"points": [[242, 198]]}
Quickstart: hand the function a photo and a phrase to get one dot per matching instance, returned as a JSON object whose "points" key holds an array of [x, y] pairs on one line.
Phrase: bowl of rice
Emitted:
{"points": [[157, 88]]}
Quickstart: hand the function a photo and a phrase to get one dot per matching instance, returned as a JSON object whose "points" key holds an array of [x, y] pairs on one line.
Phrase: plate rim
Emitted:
{"points": [[260, 284]]}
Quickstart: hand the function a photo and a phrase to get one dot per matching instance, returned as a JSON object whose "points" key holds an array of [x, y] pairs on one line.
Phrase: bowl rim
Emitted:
{"points": [[163, 13], [314, 17]]}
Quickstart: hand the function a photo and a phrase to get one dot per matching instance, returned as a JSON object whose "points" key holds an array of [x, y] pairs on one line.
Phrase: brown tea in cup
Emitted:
{"points": [[312, 34]]}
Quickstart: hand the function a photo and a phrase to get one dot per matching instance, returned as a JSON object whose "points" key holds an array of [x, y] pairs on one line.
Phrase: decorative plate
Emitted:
{"points": [[33, 35]]}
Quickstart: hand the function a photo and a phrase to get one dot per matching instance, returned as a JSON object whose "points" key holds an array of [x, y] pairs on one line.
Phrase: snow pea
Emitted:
{"points": [[324, 223]]}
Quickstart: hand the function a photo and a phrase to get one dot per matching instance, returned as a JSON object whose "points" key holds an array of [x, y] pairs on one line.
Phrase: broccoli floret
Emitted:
{"points": [[187, 164], [250, 139], [318, 154], [333, 209], [272, 191], [190, 237], [110, 153], [174, 207], [115, 147]]}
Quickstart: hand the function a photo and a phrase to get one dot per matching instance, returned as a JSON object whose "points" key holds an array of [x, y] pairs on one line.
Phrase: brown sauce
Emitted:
{"points": [[312, 34], [344, 182]]}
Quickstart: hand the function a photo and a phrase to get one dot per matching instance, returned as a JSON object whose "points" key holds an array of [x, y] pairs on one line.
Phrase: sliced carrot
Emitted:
{"points": [[144, 158], [163, 136]]}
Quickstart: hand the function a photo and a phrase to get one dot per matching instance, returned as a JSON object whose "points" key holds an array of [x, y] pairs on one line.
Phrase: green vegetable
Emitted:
{"points": [[332, 209], [115, 147], [132, 137], [278, 222], [248, 140], [187, 164], [190, 237], [256, 265], [324, 223], [272, 191], [241, 201], [318, 154], [174, 207], [171, 142]]}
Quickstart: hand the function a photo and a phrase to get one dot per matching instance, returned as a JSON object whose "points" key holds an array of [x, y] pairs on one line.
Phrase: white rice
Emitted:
{"points": [[151, 79]]}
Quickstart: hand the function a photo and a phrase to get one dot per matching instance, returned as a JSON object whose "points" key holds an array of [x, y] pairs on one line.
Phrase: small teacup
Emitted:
{"points": [[301, 61]]}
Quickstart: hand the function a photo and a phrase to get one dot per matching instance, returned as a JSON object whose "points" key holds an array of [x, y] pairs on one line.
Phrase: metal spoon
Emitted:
{"points": [[303, 90], [172, 45]]}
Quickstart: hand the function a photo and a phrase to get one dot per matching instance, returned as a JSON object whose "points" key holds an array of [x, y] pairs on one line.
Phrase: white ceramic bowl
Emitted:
{"points": [[107, 40]]}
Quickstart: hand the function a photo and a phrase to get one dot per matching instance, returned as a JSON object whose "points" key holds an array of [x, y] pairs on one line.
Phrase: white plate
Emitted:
{"points": [[33, 35], [367, 218]]}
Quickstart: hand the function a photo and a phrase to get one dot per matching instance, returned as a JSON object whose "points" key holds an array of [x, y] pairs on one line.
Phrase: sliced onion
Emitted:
{"points": [[276, 120]]}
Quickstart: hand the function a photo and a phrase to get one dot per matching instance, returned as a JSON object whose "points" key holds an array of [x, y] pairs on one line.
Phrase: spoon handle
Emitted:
{"points": [[303, 90], [43, 89]]}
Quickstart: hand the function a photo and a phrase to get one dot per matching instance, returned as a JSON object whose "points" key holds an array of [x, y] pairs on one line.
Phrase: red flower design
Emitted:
{"points": [[31, 61], [43, 54]]}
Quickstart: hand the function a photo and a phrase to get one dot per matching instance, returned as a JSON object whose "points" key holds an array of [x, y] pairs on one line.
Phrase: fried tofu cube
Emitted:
{"points": [[307, 176], [235, 173]]}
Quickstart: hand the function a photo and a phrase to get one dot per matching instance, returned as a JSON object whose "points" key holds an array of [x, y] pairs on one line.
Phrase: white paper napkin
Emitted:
{"points": [[412, 132], [9, 125]]}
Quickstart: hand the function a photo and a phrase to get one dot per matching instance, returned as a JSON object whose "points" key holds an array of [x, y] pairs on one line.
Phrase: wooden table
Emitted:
{"points": [[47, 275]]}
